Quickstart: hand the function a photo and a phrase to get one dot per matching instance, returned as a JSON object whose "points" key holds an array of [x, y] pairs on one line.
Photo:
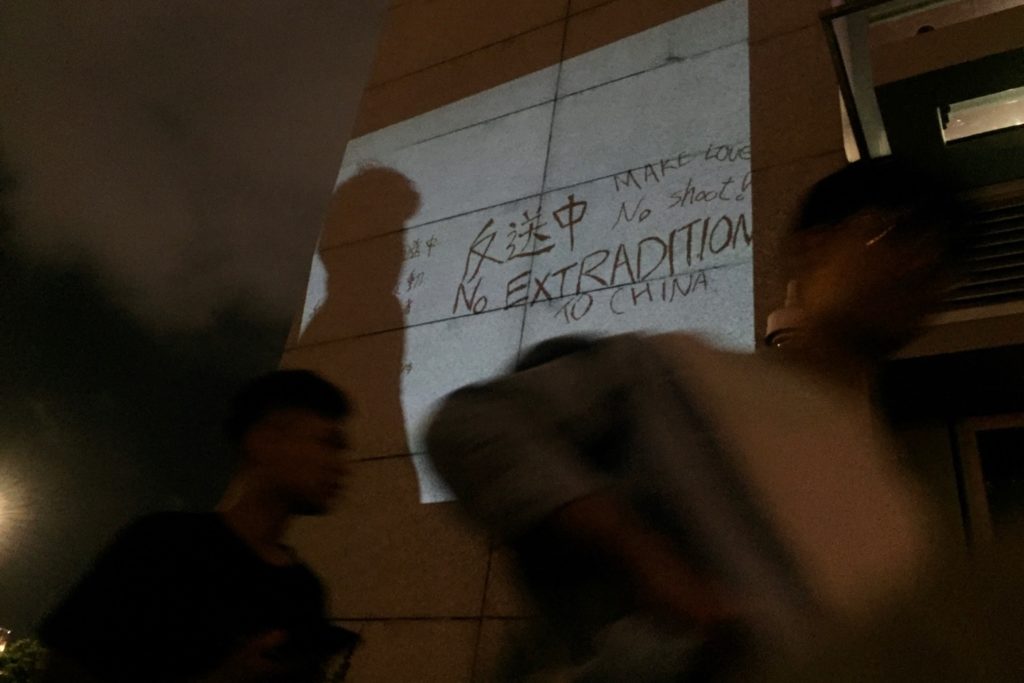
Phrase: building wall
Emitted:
{"points": [[432, 598], [795, 129]]}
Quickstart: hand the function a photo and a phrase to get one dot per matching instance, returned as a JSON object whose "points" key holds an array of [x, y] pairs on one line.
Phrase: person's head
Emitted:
{"points": [[287, 430], [552, 349], [603, 449], [873, 250]]}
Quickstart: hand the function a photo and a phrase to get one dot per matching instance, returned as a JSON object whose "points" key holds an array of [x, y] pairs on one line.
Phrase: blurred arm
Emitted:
{"points": [[503, 449], [510, 449], [608, 530]]}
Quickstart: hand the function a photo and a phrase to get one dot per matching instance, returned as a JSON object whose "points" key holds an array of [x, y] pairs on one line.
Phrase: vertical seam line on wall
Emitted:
{"points": [[380, 84], [389, 330], [526, 307], [568, 13], [547, 162], [480, 620], [634, 74]]}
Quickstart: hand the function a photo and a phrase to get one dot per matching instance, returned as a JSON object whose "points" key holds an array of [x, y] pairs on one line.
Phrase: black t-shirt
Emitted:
{"points": [[175, 594]]}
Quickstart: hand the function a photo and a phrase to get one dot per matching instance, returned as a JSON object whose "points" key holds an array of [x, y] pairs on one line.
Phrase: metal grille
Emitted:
{"points": [[995, 261]]}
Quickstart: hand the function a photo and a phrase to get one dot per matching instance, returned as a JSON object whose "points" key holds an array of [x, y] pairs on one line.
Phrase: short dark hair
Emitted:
{"points": [[890, 184], [283, 390]]}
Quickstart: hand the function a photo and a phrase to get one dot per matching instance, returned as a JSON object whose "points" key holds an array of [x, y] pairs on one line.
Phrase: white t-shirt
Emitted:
{"points": [[789, 486]]}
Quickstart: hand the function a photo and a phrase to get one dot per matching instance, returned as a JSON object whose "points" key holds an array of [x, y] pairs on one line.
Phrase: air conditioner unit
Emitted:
{"points": [[986, 308]]}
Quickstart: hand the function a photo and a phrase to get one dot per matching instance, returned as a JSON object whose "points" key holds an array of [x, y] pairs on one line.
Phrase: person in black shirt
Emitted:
{"points": [[217, 597]]}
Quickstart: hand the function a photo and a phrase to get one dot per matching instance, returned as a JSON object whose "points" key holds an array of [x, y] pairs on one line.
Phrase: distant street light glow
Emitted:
{"points": [[14, 509]]}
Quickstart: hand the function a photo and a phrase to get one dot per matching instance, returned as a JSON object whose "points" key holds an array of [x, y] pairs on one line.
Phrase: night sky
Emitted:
{"points": [[165, 170]]}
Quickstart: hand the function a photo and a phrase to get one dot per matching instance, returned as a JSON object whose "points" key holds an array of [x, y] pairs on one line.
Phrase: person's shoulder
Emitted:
{"points": [[691, 356], [165, 529], [168, 522], [139, 556], [626, 345], [688, 344], [682, 340]]}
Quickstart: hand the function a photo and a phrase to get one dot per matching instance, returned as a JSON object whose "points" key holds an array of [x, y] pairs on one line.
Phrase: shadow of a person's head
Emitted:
{"points": [[362, 247], [362, 250], [375, 201]]}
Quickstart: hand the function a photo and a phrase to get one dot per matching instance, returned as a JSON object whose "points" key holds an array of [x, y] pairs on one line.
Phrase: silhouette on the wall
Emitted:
{"points": [[362, 249]]}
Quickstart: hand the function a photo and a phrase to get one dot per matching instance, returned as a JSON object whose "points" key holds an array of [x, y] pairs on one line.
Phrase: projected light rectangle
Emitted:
{"points": [[607, 194]]}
